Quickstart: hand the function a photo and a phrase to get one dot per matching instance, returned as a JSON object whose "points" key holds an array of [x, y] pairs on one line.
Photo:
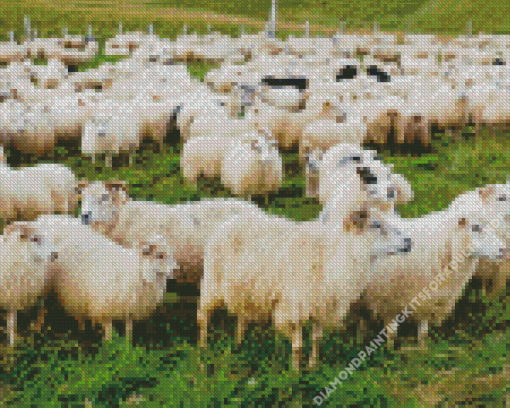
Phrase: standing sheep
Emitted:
{"points": [[42, 189], [437, 240], [24, 257], [327, 172], [106, 206], [97, 279], [253, 168], [494, 199], [113, 132], [263, 267]]}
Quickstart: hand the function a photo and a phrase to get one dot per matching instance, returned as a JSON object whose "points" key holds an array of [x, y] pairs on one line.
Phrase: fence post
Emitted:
{"points": [[208, 28], [376, 27], [90, 31], [27, 27], [11, 34], [35, 33], [64, 31], [150, 28], [242, 29], [307, 29], [469, 28], [341, 29], [185, 29]]}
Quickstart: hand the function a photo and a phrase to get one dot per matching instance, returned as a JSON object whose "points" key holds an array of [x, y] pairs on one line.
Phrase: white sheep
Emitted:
{"points": [[24, 256], [112, 131], [35, 133], [494, 199], [30, 191], [324, 134], [252, 168], [205, 155], [438, 239], [263, 267], [97, 279], [107, 207]]}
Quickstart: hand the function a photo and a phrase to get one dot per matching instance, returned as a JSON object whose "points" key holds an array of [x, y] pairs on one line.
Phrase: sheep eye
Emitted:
{"points": [[104, 198], [36, 240], [378, 158], [476, 228], [502, 197], [376, 225]]}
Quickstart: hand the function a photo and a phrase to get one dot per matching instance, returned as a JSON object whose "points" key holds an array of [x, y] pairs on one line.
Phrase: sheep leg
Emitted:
{"points": [[423, 330], [108, 160], [93, 159], [11, 326], [40, 319], [390, 341], [108, 328], [297, 347], [203, 322], [317, 332], [129, 331], [81, 323], [241, 325]]}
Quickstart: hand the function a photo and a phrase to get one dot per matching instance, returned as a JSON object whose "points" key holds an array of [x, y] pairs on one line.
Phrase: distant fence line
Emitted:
{"points": [[270, 29]]}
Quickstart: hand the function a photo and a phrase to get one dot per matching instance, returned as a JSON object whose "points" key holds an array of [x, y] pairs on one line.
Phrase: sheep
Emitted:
{"points": [[49, 76], [213, 123], [324, 171], [437, 240], [25, 254], [494, 199], [262, 267], [252, 168], [107, 208], [205, 155], [35, 133], [287, 128], [42, 189], [371, 185], [96, 278], [111, 132]]}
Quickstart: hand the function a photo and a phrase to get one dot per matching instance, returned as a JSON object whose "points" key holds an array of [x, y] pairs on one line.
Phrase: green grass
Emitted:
{"points": [[61, 368]]}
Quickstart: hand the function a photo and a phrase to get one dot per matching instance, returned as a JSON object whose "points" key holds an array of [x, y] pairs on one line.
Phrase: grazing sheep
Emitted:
{"points": [[252, 168], [185, 227], [97, 279], [31, 191], [24, 257], [438, 239], [264, 267], [494, 199]]}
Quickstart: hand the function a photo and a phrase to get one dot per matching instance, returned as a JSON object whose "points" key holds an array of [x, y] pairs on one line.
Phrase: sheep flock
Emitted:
{"points": [[324, 96]]}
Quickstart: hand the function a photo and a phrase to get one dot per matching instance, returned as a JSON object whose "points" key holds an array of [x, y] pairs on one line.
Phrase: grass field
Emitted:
{"points": [[466, 362]]}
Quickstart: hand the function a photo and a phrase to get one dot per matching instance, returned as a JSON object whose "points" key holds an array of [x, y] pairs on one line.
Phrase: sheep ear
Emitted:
{"points": [[15, 227], [463, 222], [82, 185], [486, 192], [116, 185]]}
